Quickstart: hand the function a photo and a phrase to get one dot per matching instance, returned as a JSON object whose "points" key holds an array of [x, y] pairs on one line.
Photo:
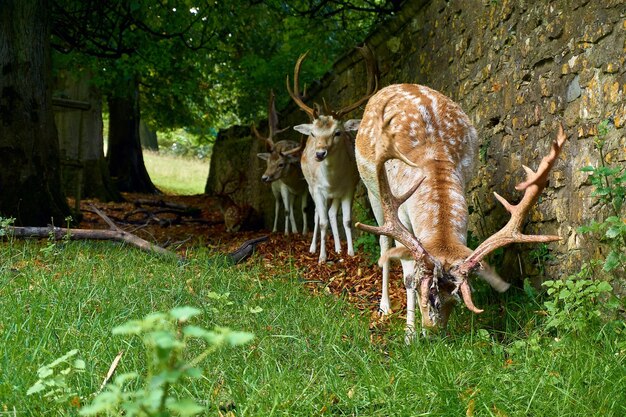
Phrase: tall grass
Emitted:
{"points": [[175, 174], [312, 355]]}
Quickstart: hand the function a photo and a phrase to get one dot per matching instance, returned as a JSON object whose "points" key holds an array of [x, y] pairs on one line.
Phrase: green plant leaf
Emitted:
{"points": [[185, 407], [612, 261], [195, 331], [79, 364], [184, 313], [35, 388], [239, 338], [130, 327]]}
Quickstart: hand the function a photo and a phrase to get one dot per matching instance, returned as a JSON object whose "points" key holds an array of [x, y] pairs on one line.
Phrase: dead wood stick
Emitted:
{"points": [[112, 368], [58, 233], [106, 219], [116, 234]]}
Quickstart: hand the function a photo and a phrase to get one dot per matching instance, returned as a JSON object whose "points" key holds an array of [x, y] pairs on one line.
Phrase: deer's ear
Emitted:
{"points": [[305, 129], [264, 156], [352, 125], [400, 253]]}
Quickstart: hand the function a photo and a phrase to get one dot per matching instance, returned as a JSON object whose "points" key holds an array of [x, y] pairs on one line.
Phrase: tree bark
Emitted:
{"points": [[124, 155], [148, 137], [30, 181], [84, 169]]}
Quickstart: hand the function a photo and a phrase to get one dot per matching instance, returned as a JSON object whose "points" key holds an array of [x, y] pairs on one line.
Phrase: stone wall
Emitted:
{"points": [[517, 68]]}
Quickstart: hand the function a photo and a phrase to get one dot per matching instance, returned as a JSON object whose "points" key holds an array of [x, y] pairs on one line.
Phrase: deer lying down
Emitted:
{"points": [[283, 172], [328, 160], [415, 151]]}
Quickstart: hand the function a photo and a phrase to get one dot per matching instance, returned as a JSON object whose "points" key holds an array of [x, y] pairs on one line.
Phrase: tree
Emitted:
{"points": [[30, 183]]}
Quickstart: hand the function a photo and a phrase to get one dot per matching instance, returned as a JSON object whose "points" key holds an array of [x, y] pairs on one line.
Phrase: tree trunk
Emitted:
{"points": [[148, 137], [124, 154], [84, 169], [30, 183]]}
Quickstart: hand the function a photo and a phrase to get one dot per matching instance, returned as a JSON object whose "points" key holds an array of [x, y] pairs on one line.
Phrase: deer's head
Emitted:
{"points": [[281, 155], [327, 128]]}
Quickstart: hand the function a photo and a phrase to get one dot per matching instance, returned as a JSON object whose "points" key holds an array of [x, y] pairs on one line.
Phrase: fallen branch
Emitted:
{"points": [[116, 234], [246, 249]]}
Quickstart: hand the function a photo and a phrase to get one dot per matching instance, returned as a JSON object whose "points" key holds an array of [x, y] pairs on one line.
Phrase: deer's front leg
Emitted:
{"points": [[346, 214], [303, 206], [316, 226], [276, 192], [284, 192], [332, 216], [322, 217], [410, 284], [292, 217]]}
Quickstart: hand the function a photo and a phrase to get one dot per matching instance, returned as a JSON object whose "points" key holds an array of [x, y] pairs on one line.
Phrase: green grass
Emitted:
{"points": [[175, 174], [312, 355]]}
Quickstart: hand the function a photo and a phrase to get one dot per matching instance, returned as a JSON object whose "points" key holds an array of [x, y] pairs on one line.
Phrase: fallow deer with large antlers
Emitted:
{"points": [[415, 151], [283, 172], [328, 160]]}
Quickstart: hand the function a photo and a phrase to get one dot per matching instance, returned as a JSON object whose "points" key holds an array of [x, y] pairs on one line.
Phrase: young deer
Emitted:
{"points": [[418, 144], [284, 172], [328, 160]]}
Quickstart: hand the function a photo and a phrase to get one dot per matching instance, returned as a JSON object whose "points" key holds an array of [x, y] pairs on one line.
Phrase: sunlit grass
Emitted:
{"points": [[177, 175], [312, 355]]}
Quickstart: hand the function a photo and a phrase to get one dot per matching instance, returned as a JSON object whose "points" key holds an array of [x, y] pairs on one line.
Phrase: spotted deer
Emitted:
{"points": [[283, 172], [327, 160], [415, 151]]}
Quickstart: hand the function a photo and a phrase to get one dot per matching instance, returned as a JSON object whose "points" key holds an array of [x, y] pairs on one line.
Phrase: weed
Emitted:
{"points": [[578, 302], [540, 257], [609, 184], [53, 383], [165, 338]]}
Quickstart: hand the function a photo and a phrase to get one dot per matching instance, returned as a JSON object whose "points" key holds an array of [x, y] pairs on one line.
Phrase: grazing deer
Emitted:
{"points": [[284, 172], [415, 151], [328, 160]]}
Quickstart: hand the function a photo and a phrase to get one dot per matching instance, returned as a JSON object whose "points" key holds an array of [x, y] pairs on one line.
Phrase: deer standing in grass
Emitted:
{"points": [[328, 160], [284, 172], [415, 151]]}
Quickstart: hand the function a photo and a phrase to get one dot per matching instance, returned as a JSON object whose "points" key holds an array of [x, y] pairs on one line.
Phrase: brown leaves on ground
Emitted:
{"points": [[351, 277]]}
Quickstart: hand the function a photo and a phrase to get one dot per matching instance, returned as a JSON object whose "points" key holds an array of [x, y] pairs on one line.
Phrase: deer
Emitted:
{"points": [[237, 217], [328, 161], [415, 152], [283, 172]]}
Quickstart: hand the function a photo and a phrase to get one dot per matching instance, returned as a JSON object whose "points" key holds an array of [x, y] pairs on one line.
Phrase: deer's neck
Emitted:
{"points": [[438, 211]]}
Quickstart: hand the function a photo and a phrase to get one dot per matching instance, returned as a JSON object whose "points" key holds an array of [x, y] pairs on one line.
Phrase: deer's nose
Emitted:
{"points": [[265, 178], [320, 155]]}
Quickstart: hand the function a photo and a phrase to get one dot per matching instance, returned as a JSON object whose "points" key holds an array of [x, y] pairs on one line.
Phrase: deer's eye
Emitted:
{"points": [[281, 165], [337, 133]]}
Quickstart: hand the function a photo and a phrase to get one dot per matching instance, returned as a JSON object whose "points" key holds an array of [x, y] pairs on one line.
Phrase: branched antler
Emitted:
{"points": [[512, 231], [272, 121], [295, 93], [372, 86]]}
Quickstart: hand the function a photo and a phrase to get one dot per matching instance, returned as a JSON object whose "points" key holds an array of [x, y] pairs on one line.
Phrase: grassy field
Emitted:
{"points": [[176, 175], [312, 355]]}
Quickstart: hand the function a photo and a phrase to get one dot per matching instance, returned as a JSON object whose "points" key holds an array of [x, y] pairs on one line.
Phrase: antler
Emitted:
{"points": [[297, 149], [372, 81], [511, 232], [295, 93], [272, 121]]}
